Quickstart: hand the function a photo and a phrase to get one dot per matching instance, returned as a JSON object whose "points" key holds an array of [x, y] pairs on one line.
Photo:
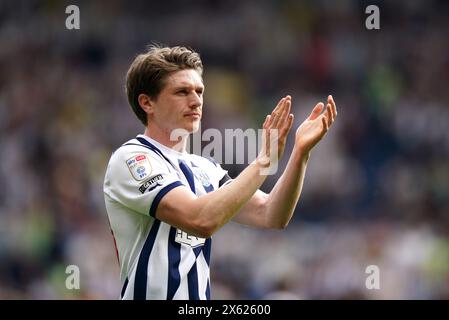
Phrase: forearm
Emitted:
{"points": [[284, 196], [216, 208]]}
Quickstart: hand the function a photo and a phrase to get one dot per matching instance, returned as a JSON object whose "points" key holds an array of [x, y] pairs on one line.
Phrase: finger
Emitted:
{"points": [[285, 112], [265, 130], [325, 125], [277, 113], [316, 111], [330, 118], [265, 123], [278, 106], [270, 121], [289, 124], [291, 118], [330, 100]]}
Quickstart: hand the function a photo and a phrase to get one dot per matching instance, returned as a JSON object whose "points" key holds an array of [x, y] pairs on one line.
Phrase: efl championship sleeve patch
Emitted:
{"points": [[139, 166]]}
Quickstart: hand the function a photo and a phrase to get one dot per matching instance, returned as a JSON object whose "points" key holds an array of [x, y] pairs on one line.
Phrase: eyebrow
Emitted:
{"points": [[187, 86]]}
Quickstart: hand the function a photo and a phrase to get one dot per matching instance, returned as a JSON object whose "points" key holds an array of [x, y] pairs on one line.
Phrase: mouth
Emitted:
{"points": [[194, 115]]}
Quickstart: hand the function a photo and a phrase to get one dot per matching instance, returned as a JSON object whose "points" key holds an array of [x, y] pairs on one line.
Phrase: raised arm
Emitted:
{"points": [[202, 216], [275, 210]]}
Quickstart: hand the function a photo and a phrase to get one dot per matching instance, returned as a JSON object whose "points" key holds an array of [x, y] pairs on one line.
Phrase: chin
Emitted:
{"points": [[195, 127], [190, 125]]}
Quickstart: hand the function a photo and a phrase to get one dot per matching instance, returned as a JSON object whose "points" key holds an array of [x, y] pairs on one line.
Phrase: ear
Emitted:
{"points": [[145, 103]]}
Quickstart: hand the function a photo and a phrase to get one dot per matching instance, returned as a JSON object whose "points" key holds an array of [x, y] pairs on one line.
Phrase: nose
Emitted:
{"points": [[196, 101]]}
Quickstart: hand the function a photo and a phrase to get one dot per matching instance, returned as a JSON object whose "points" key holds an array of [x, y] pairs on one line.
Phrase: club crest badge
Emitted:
{"points": [[201, 176], [139, 166]]}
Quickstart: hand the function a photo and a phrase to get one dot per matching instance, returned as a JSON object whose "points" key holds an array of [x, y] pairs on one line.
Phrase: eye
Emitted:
{"points": [[182, 92], [199, 92]]}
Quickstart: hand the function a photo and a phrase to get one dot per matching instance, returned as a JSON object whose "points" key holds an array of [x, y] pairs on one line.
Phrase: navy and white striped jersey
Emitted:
{"points": [[157, 260]]}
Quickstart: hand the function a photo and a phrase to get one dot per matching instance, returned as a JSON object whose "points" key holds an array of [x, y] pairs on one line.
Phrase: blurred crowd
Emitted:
{"points": [[376, 190]]}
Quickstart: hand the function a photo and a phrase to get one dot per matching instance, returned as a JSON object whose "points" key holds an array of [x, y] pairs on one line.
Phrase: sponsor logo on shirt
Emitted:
{"points": [[139, 166], [185, 238], [151, 183]]}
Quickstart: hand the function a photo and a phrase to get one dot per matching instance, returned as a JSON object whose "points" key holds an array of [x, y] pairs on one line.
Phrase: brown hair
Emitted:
{"points": [[149, 70]]}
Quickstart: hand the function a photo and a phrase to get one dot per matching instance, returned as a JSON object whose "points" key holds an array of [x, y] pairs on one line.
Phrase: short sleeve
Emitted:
{"points": [[139, 179], [225, 180]]}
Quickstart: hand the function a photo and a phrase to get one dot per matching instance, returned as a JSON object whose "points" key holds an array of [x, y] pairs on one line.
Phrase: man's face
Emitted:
{"points": [[180, 102]]}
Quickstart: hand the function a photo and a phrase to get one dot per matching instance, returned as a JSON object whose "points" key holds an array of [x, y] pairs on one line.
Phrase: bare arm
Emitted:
{"points": [[275, 210], [202, 216]]}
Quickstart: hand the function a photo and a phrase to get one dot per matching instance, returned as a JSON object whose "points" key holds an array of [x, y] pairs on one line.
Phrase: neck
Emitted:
{"points": [[163, 138]]}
